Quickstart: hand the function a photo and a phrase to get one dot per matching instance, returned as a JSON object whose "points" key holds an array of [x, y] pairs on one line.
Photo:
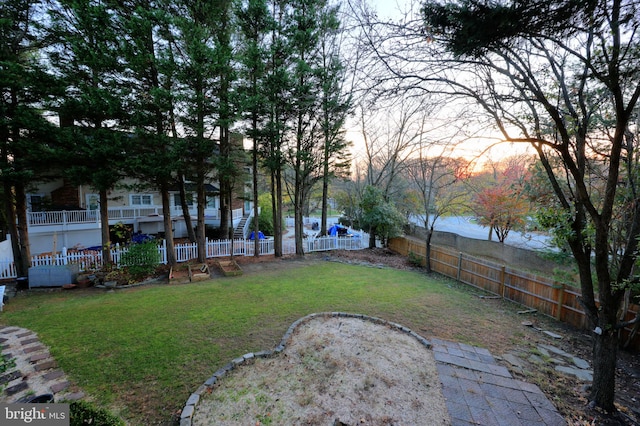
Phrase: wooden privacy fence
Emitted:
{"points": [[547, 296]]}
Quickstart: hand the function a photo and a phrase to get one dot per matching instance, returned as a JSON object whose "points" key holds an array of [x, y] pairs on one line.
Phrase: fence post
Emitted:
{"points": [[502, 276], [65, 259], [560, 287], [459, 266]]}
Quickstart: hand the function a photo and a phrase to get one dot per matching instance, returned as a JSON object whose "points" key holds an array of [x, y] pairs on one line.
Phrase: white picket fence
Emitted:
{"points": [[92, 260]]}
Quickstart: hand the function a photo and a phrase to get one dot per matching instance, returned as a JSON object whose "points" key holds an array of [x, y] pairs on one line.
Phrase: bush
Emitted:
{"points": [[86, 413], [141, 260], [265, 219], [415, 259]]}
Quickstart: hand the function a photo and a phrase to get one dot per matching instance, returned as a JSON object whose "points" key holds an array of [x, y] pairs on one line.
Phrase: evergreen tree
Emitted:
{"points": [[25, 134], [150, 103], [334, 107], [89, 61], [198, 78], [304, 33], [228, 169], [254, 23], [277, 86]]}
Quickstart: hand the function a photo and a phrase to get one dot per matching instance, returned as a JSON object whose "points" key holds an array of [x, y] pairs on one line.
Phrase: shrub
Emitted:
{"points": [[415, 259], [86, 413], [265, 219], [141, 259]]}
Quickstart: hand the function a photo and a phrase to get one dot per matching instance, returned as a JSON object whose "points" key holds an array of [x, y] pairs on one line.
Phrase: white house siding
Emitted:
{"points": [[43, 242]]}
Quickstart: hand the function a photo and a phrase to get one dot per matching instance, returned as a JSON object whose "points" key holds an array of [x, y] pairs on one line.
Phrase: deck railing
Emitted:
{"points": [[66, 217]]}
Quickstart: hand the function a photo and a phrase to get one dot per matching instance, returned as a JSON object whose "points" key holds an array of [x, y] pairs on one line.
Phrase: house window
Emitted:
{"points": [[141, 200], [177, 199], [35, 202], [93, 201], [212, 202]]}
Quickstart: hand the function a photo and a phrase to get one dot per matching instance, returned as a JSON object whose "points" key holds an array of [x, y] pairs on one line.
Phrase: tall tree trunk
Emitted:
{"points": [[225, 208], [325, 195], [276, 198], [298, 212], [201, 195], [605, 352], [274, 206], [168, 225], [230, 204], [372, 238], [224, 211], [254, 168], [231, 225], [104, 220], [12, 224], [428, 249], [23, 226], [186, 214], [298, 226]]}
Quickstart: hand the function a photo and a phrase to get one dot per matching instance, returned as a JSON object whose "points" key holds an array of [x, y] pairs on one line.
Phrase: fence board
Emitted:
{"points": [[91, 260], [533, 291]]}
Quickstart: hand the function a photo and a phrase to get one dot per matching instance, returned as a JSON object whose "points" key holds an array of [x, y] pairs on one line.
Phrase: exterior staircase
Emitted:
{"points": [[238, 232]]}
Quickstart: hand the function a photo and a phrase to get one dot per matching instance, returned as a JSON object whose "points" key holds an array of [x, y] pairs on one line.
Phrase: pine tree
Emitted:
{"points": [[335, 104], [204, 76], [254, 23], [88, 59], [27, 138], [150, 83], [277, 86], [314, 131]]}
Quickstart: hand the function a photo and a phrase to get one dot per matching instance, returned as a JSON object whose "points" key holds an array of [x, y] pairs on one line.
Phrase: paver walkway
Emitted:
{"points": [[35, 372], [478, 391]]}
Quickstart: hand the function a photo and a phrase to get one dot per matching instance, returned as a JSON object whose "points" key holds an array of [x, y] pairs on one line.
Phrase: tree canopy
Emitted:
{"points": [[562, 77], [153, 90]]}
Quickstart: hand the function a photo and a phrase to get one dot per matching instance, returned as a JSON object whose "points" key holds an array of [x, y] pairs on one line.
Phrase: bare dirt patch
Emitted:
{"points": [[333, 371], [568, 394]]}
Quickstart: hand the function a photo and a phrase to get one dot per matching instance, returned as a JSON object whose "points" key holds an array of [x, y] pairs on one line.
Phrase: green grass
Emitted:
{"points": [[141, 352]]}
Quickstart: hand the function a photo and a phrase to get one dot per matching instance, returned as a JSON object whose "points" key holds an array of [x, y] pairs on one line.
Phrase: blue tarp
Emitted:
{"points": [[260, 235], [338, 230], [141, 238]]}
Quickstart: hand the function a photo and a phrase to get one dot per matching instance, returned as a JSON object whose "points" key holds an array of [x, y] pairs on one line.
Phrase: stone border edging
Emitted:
{"points": [[189, 408]]}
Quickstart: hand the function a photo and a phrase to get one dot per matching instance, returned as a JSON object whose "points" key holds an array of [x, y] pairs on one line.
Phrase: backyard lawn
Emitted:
{"points": [[141, 352]]}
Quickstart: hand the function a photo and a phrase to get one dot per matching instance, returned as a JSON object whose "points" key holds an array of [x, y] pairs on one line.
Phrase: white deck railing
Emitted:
{"points": [[66, 217]]}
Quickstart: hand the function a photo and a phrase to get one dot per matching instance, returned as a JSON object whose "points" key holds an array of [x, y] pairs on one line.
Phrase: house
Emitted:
{"points": [[60, 214], [63, 215]]}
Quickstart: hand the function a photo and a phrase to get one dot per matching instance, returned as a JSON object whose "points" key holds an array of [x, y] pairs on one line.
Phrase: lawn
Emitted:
{"points": [[141, 352]]}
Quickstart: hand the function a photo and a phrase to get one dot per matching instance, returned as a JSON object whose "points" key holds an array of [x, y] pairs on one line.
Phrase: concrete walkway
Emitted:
{"points": [[478, 391]]}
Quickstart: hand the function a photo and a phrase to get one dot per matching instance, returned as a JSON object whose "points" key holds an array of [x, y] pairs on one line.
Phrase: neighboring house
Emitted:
{"points": [[63, 215]]}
